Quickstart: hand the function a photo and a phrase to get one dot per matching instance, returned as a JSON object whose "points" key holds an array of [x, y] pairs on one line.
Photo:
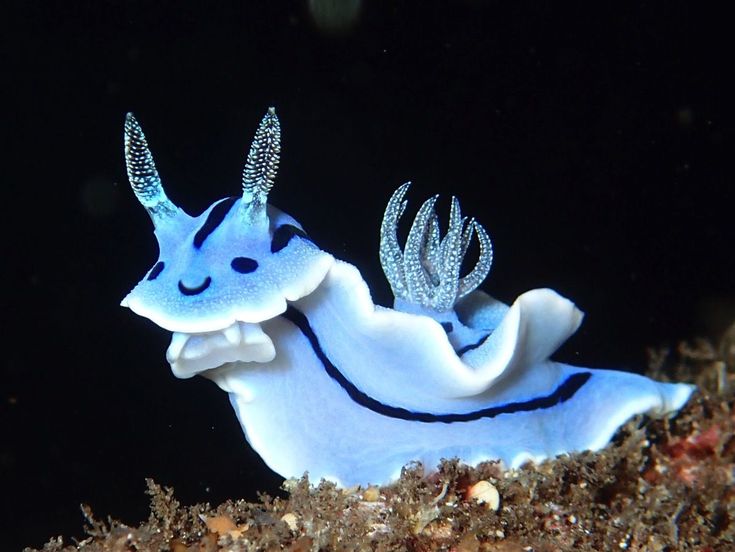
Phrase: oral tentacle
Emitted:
{"points": [[190, 354]]}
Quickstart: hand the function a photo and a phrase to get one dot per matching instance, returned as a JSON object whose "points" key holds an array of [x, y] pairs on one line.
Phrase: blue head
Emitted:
{"points": [[239, 261]]}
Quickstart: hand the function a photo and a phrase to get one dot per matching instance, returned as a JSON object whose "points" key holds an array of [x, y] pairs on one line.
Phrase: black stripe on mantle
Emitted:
{"points": [[214, 219], [565, 391]]}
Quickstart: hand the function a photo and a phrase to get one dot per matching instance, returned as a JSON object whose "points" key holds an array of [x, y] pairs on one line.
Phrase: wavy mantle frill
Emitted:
{"points": [[355, 391]]}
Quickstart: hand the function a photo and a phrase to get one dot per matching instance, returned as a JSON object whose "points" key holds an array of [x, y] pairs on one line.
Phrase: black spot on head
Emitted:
{"points": [[448, 326], [283, 234], [215, 218], [244, 265], [195, 290], [156, 270]]}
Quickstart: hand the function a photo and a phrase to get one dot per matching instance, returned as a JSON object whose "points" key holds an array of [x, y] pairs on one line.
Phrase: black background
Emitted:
{"points": [[594, 144]]}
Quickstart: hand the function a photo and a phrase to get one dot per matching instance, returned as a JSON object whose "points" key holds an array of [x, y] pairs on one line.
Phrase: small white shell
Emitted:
{"points": [[486, 493]]}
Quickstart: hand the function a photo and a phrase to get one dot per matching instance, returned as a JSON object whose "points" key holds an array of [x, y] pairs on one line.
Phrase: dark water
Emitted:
{"points": [[594, 145]]}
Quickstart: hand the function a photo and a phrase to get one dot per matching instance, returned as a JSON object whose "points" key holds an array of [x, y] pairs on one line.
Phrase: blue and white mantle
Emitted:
{"points": [[324, 381]]}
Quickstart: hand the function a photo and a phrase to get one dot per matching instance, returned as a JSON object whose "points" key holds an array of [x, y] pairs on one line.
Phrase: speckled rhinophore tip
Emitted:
{"points": [[426, 272], [143, 175], [262, 163]]}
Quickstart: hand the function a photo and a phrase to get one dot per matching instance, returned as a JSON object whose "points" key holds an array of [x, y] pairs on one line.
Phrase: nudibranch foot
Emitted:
{"points": [[350, 419], [326, 382], [351, 441]]}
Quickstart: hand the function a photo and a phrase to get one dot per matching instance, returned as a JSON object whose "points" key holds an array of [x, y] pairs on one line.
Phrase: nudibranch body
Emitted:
{"points": [[326, 382]]}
